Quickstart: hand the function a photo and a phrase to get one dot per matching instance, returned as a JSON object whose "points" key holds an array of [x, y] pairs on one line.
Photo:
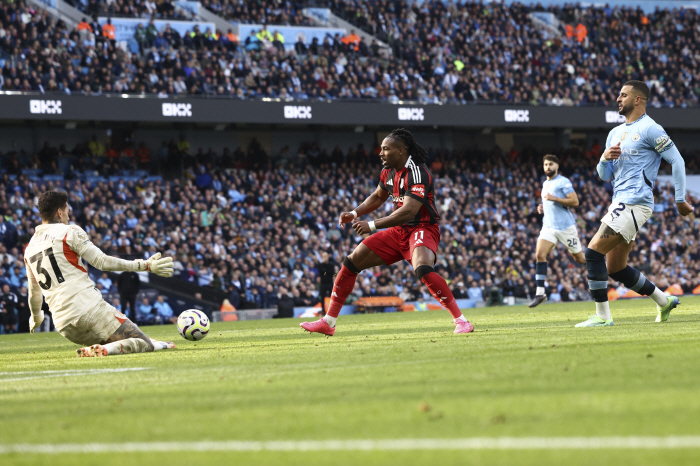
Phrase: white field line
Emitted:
{"points": [[10, 376], [477, 443]]}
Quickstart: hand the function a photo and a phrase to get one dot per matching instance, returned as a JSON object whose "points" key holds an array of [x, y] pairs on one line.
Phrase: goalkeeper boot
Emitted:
{"points": [[665, 311], [596, 321], [319, 326], [94, 351]]}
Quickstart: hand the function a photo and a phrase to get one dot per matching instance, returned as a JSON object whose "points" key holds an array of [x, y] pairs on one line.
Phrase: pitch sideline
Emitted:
{"points": [[476, 443]]}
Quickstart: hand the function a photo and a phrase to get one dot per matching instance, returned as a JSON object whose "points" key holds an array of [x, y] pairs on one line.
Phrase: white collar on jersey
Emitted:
{"points": [[407, 162]]}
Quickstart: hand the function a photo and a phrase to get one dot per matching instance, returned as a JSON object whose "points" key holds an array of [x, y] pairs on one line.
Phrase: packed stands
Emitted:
{"points": [[262, 12], [252, 224], [146, 9], [443, 53]]}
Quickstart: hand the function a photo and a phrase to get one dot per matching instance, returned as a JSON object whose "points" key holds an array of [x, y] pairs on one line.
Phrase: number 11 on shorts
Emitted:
{"points": [[416, 235]]}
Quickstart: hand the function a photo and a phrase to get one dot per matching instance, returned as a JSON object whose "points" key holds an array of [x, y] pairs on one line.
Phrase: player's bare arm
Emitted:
{"points": [[372, 203], [571, 200], [403, 214]]}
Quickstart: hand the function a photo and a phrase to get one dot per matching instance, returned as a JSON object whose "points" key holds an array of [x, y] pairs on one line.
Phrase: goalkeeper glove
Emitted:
{"points": [[35, 322], [161, 267]]}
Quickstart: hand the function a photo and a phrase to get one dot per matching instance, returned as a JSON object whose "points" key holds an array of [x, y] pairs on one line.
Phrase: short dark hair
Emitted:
{"points": [[550, 158], [50, 202], [640, 87]]}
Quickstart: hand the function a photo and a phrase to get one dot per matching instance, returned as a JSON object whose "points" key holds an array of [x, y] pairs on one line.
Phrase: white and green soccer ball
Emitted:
{"points": [[193, 325]]}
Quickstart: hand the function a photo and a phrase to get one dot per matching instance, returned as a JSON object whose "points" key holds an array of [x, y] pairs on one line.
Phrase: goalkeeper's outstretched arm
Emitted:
{"points": [[155, 264], [79, 242]]}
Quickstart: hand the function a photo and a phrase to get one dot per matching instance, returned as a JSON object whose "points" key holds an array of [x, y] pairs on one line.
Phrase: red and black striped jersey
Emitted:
{"points": [[413, 180]]}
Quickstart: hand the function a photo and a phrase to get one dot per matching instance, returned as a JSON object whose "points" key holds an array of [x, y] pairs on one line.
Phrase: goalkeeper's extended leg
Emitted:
{"points": [[128, 338]]}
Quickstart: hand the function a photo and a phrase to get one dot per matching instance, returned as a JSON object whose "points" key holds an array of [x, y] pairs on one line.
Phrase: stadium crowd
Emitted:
{"points": [[147, 9], [253, 224], [443, 53]]}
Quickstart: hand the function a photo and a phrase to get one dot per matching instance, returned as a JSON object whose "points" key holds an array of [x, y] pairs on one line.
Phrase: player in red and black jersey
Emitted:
{"points": [[411, 232]]}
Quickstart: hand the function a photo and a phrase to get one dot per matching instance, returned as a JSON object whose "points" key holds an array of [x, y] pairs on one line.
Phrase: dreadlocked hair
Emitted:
{"points": [[419, 154]]}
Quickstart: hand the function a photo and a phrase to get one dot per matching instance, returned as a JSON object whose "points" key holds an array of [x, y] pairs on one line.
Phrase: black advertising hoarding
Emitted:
{"points": [[203, 110]]}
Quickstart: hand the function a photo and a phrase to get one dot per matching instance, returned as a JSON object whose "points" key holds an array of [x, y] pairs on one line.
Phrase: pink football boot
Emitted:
{"points": [[463, 326], [320, 326]]}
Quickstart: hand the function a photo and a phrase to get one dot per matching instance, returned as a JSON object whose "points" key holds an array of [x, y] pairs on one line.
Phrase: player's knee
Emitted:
{"points": [[422, 271], [580, 258], [350, 266]]}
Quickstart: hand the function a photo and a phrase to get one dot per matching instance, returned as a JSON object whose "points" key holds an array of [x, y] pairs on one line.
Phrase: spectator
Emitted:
{"points": [[474, 292], [106, 283], [8, 300], [163, 310], [285, 304], [146, 314], [128, 285]]}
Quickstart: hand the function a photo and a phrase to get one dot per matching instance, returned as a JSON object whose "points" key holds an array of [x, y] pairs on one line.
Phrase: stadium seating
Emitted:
{"points": [[443, 53]]}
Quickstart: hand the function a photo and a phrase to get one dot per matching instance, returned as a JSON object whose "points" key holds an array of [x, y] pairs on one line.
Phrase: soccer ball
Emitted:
{"points": [[193, 325]]}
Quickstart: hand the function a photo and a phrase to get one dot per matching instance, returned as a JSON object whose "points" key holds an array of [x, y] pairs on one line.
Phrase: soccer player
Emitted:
{"points": [[55, 269], [632, 156], [411, 232], [558, 225]]}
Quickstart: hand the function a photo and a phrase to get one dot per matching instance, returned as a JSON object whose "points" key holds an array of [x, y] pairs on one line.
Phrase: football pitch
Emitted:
{"points": [[525, 388]]}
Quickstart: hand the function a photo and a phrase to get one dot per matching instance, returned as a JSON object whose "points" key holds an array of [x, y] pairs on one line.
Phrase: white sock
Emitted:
{"points": [[460, 319], [540, 291], [602, 310], [330, 320], [659, 297], [129, 345], [159, 345]]}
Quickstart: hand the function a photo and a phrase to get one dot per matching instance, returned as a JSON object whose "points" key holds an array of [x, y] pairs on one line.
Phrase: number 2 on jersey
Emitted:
{"points": [[39, 258]]}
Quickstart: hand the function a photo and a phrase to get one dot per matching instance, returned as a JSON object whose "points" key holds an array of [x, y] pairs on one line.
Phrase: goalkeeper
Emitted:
{"points": [[55, 269]]}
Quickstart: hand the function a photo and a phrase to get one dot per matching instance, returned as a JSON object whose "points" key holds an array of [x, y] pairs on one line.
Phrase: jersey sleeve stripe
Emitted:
{"points": [[416, 172], [71, 256]]}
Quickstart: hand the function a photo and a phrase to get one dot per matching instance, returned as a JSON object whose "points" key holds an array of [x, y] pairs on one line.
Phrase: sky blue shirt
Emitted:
{"points": [[643, 143], [557, 216]]}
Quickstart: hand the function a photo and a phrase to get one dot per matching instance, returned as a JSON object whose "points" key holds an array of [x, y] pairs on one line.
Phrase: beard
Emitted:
{"points": [[550, 173], [626, 109]]}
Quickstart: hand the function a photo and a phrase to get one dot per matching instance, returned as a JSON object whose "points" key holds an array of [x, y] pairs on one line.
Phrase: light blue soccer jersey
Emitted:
{"points": [[557, 216], [643, 143]]}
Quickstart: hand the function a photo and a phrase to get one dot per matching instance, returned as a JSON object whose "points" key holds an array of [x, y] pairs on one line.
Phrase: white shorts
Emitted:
{"points": [[95, 326], [627, 219], [568, 238]]}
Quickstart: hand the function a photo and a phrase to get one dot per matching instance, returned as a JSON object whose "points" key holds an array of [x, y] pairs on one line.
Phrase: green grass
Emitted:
{"points": [[522, 373]]}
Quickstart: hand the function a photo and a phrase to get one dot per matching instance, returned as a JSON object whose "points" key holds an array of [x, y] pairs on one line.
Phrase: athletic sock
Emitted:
{"points": [[344, 283], [128, 345], [540, 277], [159, 345], [659, 297], [602, 310], [330, 320], [440, 291], [636, 281], [598, 282]]}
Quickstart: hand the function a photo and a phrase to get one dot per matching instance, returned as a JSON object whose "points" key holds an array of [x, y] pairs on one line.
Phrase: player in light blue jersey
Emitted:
{"points": [[632, 157], [558, 197]]}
